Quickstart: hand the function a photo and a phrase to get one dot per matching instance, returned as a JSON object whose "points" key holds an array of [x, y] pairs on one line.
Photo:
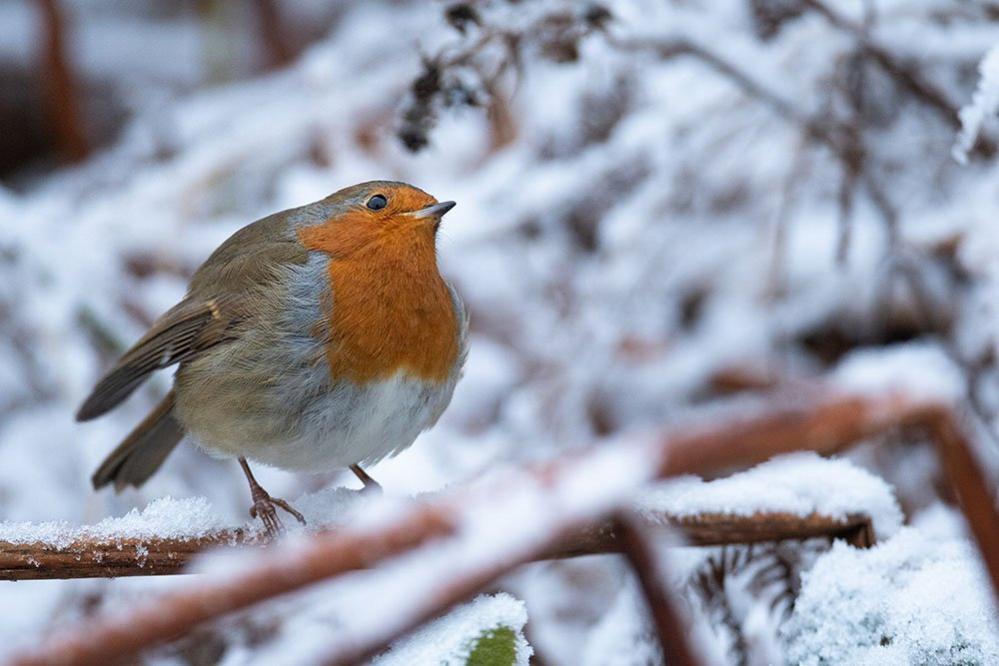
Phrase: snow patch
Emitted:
{"points": [[164, 518], [800, 483], [915, 599]]}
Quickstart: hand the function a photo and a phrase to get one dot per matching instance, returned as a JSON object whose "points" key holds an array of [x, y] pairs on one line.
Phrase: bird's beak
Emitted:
{"points": [[434, 212]]}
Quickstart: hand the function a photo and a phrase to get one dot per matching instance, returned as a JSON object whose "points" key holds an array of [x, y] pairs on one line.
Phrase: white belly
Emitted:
{"points": [[344, 426], [359, 425]]}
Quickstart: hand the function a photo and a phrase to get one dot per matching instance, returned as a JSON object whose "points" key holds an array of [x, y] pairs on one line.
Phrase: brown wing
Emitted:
{"points": [[246, 263], [187, 328]]}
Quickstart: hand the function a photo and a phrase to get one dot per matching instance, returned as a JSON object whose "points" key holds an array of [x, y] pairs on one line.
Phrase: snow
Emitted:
{"points": [[164, 518], [801, 484], [449, 640], [921, 371], [916, 598], [649, 225], [624, 636]]}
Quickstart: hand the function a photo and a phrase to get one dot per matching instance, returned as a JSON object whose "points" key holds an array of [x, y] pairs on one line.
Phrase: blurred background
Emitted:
{"points": [[662, 204]]}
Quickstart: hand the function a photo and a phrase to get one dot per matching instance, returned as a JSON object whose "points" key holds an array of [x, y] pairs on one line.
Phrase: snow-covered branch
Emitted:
{"points": [[84, 555]]}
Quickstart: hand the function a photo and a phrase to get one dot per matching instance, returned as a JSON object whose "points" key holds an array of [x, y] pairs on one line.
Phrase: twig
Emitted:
{"points": [[670, 626], [905, 74], [89, 557], [820, 423]]}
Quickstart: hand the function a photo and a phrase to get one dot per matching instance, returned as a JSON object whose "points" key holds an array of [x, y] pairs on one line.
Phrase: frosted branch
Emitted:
{"points": [[86, 556]]}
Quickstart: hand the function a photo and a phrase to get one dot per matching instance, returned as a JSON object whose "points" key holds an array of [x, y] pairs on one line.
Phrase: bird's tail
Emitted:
{"points": [[143, 451]]}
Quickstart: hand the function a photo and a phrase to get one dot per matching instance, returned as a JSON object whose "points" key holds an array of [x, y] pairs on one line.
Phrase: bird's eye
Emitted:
{"points": [[377, 202]]}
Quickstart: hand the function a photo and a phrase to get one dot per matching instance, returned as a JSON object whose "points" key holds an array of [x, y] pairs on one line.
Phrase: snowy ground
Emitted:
{"points": [[629, 228]]}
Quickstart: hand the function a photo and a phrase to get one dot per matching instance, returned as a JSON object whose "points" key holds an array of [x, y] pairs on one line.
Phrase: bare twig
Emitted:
{"points": [[820, 423], [670, 626]]}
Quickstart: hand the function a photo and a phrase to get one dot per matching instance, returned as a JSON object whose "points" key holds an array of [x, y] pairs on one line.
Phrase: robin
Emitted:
{"points": [[314, 339]]}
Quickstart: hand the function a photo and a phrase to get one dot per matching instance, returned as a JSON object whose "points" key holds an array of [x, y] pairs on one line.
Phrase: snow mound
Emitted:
{"points": [[914, 599], [452, 639], [800, 483]]}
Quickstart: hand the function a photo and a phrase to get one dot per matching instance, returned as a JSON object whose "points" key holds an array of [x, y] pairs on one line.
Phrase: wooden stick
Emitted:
{"points": [[89, 557], [820, 423]]}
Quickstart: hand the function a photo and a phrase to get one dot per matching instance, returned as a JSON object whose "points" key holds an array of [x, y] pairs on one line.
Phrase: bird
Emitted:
{"points": [[318, 338]]}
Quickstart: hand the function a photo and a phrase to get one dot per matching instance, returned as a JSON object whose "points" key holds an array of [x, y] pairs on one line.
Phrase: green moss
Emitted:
{"points": [[496, 647]]}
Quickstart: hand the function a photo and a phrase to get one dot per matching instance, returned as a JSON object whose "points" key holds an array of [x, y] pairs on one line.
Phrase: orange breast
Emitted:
{"points": [[392, 310]]}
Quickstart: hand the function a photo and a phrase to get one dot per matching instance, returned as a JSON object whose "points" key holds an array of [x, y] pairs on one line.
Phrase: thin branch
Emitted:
{"points": [[667, 49], [904, 73], [112, 557], [817, 422], [670, 626]]}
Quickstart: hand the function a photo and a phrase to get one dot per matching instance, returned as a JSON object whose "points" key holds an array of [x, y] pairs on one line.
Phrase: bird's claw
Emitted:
{"points": [[264, 508]]}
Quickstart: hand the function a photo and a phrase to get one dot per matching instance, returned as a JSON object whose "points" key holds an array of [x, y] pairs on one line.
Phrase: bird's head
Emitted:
{"points": [[379, 212]]}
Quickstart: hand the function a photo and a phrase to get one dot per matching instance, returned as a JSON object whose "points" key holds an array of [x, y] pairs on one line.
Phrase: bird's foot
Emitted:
{"points": [[265, 508], [264, 505]]}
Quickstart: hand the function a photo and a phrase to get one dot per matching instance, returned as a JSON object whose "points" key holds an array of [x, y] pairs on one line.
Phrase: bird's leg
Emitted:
{"points": [[263, 504], [370, 485]]}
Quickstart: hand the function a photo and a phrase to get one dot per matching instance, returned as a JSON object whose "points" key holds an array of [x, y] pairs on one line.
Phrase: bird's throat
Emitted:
{"points": [[391, 312]]}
